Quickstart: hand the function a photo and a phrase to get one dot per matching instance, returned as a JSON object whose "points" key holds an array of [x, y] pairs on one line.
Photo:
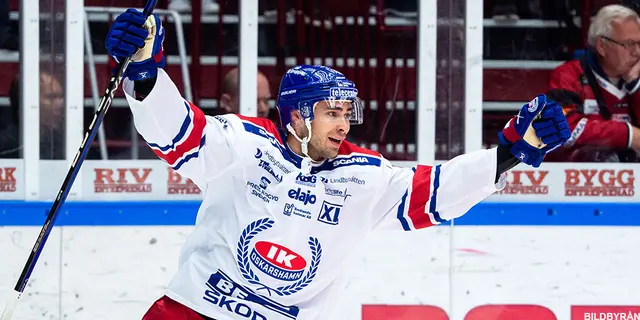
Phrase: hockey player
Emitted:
{"points": [[282, 209]]}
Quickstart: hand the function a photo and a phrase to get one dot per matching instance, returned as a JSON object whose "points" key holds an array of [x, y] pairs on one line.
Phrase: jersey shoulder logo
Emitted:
{"points": [[275, 260]]}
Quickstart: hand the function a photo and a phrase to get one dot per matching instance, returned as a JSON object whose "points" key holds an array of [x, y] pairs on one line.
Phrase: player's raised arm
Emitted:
{"points": [[176, 130], [429, 195]]}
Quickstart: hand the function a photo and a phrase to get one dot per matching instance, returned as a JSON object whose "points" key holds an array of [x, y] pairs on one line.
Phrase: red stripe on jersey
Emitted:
{"points": [[347, 148], [510, 132], [192, 141], [265, 123], [420, 194]]}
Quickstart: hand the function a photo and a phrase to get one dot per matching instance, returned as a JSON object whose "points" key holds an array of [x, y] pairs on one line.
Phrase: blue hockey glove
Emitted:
{"points": [[539, 128], [132, 35]]}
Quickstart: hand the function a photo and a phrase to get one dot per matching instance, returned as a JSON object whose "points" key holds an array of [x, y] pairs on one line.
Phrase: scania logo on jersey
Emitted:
{"points": [[278, 261], [304, 197], [341, 162], [355, 160], [304, 180]]}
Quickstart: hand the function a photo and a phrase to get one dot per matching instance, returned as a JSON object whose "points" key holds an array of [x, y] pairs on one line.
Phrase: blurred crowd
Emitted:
{"points": [[597, 79]]}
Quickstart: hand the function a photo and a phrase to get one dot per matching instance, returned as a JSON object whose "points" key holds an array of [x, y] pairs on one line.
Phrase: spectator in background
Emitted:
{"points": [[51, 121], [600, 91], [229, 100]]}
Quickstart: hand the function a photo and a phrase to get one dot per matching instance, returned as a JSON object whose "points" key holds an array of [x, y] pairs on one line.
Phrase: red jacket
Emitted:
{"points": [[598, 132]]}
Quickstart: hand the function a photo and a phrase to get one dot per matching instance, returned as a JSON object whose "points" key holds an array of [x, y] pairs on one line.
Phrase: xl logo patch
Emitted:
{"points": [[329, 213], [275, 256]]}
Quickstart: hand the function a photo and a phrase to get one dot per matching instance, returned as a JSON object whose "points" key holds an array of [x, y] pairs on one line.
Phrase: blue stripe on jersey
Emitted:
{"points": [[190, 156], [403, 220], [183, 130], [434, 196], [262, 132]]}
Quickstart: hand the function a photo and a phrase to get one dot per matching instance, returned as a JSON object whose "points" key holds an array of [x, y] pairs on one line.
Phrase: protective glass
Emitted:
{"points": [[344, 100], [349, 109]]}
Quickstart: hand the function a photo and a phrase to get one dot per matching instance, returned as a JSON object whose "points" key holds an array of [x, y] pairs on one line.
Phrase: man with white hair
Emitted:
{"points": [[599, 91]]}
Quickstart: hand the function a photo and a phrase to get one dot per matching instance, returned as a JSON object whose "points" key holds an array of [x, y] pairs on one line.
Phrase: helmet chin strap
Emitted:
{"points": [[304, 142]]}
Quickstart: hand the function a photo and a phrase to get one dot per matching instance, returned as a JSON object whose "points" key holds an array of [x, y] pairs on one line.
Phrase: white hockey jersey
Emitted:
{"points": [[274, 230]]}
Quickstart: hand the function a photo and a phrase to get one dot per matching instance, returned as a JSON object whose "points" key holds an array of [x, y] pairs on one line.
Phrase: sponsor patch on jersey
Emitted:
{"points": [[275, 260], [346, 180], [306, 197], [271, 160], [278, 261], [223, 121], [265, 165], [354, 160], [233, 298], [336, 192], [259, 190], [306, 180], [290, 209], [329, 213]]}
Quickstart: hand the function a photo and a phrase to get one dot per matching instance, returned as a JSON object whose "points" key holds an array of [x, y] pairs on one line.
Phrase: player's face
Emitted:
{"points": [[329, 128]]}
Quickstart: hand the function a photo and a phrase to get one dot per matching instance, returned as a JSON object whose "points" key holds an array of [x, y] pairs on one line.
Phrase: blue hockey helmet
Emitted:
{"points": [[303, 86]]}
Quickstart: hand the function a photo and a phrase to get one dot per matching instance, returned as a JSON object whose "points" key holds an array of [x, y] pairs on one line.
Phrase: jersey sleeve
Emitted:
{"points": [[179, 133], [424, 196]]}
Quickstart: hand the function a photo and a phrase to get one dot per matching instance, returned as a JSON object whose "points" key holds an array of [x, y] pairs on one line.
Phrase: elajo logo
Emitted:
{"points": [[599, 183], [278, 261], [7, 179], [304, 197], [176, 184], [122, 180], [526, 182]]}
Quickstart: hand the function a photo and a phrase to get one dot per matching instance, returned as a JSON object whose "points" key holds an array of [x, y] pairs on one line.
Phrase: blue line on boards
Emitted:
{"points": [[183, 213]]}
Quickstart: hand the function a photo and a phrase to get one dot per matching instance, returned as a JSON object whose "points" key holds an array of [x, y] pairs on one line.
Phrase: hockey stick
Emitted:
{"points": [[104, 105]]}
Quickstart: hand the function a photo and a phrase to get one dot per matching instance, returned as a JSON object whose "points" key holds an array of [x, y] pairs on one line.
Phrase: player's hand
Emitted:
{"points": [[142, 40], [539, 128], [633, 74]]}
